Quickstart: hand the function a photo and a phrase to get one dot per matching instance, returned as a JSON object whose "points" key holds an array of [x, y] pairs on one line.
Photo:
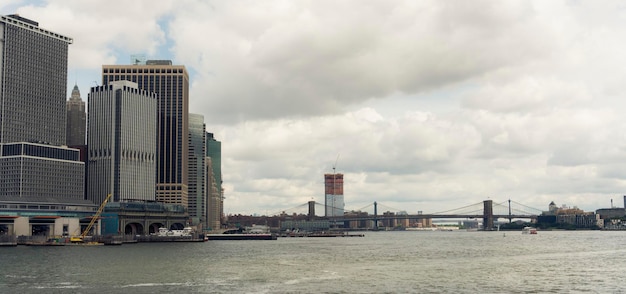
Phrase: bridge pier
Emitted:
{"points": [[488, 215]]}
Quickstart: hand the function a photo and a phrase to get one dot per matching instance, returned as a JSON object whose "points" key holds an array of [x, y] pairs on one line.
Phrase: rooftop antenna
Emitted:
{"points": [[335, 165]]}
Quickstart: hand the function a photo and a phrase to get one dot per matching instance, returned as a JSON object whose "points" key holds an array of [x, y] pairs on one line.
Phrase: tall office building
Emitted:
{"points": [[215, 192], [34, 166], [33, 76], [122, 142], [333, 200], [171, 84], [76, 119], [197, 170]]}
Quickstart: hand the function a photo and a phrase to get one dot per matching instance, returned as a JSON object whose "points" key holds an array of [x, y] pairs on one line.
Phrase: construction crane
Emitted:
{"points": [[95, 217]]}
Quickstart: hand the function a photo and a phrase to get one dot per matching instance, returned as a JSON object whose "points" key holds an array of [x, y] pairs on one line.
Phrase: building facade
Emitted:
{"points": [[121, 145], [197, 170], [333, 199], [215, 204], [214, 150], [171, 85], [39, 173], [76, 119]]}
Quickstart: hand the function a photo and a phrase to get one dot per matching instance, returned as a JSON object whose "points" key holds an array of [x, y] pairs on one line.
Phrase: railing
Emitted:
{"points": [[6, 240]]}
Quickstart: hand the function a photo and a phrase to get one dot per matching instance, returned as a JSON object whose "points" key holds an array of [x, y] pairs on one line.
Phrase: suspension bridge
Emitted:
{"points": [[488, 210]]}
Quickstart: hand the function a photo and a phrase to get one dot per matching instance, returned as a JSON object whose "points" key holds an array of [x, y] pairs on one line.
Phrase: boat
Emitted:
{"points": [[529, 230], [421, 229], [165, 232], [255, 232]]}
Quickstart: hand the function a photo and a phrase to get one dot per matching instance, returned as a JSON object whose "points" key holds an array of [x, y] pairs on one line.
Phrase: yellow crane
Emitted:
{"points": [[92, 222]]}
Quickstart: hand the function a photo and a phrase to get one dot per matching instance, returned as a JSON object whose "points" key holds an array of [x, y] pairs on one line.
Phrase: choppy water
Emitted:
{"points": [[380, 262]]}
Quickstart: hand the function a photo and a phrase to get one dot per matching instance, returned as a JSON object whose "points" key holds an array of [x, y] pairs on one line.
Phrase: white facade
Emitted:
{"points": [[121, 142], [55, 226], [214, 204]]}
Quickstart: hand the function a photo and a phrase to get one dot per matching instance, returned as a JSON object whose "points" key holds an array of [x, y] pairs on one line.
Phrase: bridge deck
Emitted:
{"points": [[426, 216]]}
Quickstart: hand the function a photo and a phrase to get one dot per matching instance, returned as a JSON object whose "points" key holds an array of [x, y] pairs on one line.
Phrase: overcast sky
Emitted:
{"points": [[428, 105]]}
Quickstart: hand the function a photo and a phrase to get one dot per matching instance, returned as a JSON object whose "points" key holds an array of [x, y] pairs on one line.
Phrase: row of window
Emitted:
{"points": [[30, 26], [46, 207], [126, 154], [40, 151], [143, 70]]}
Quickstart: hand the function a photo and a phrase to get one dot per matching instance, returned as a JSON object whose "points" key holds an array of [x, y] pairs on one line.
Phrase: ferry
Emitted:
{"points": [[165, 232], [256, 232], [529, 230]]}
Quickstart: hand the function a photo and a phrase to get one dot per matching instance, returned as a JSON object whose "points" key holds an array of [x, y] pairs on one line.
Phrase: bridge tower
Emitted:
{"points": [[311, 210], [375, 216], [510, 217], [488, 215]]}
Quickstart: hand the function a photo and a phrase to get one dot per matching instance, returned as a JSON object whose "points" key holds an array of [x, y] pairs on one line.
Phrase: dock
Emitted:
{"points": [[214, 237], [156, 238], [6, 240], [320, 234]]}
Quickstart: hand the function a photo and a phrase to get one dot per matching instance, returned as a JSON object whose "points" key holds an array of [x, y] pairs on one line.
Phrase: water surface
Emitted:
{"points": [[380, 262]]}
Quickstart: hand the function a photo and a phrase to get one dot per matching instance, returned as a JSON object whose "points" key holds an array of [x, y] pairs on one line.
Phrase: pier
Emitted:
{"points": [[93, 240]]}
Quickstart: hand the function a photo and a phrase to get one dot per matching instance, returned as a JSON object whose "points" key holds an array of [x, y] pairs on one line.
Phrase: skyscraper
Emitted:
{"points": [[214, 205], [334, 201], [122, 142], [34, 82], [197, 170], [76, 119], [171, 84], [34, 166], [215, 192]]}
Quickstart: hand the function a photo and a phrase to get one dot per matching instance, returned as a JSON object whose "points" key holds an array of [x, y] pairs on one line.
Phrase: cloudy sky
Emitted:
{"points": [[423, 105]]}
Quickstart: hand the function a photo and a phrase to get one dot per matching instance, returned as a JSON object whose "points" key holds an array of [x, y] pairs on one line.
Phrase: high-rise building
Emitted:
{"points": [[33, 79], [121, 142], [35, 167], [76, 119], [215, 192], [215, 202], [197, 170], [333, 200], [171, 85]]}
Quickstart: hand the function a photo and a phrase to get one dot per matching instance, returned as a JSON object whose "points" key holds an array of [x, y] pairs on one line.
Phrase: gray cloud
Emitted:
{"points": [[315, 59]]}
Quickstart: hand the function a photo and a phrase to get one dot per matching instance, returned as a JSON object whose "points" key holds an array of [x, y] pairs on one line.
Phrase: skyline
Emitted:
{"points": [[429, 106]]}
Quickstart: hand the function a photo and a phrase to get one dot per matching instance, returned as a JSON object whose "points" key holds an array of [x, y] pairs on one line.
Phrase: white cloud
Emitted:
{"points": [[104, 32]]}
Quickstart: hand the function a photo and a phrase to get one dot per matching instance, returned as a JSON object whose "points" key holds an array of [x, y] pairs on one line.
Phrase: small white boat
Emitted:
{"points": [[529, 230]]}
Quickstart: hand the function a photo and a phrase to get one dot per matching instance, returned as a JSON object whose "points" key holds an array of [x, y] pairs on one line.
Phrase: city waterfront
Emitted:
{"points": [[381, 262]]}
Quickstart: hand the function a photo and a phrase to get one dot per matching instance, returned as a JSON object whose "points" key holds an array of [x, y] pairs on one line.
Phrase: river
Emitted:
{"points": [[380, 262]]}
